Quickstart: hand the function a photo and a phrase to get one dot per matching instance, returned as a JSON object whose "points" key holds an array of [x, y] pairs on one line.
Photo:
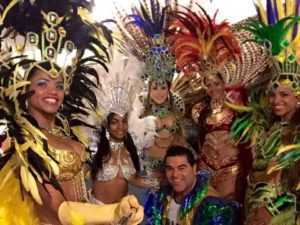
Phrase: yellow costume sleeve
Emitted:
{"points": [[76, 213]]}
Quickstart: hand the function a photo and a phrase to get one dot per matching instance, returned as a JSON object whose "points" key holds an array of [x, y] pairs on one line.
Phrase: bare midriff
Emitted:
{"points": [[110, 191]]}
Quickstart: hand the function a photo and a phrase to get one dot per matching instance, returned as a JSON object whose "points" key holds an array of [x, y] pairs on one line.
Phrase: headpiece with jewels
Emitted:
{"points": [[121, 84], [278, 30], [59, 37], [144, 32], [50, 45]]}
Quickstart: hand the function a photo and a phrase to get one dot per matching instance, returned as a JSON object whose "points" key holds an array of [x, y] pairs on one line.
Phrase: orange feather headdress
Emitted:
{"points": [[200, 43]]}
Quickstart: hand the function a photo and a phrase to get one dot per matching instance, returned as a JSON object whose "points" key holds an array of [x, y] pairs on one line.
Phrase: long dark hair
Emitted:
{"points": [[103, 153], [202, 118]]}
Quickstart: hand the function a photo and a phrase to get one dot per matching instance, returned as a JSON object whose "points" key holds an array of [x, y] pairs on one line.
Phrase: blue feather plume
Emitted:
{"points": [[151, 23]]}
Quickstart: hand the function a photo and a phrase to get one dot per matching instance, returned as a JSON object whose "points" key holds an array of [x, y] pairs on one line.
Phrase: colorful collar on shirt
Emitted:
{"points": [[157, 204]]}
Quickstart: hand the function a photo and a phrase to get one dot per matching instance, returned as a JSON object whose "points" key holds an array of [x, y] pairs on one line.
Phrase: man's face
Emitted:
{"points": [[180, 174]]}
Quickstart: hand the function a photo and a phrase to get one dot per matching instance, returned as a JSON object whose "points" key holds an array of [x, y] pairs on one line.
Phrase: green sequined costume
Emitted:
{"points": [[274, 179], [196, 209]]}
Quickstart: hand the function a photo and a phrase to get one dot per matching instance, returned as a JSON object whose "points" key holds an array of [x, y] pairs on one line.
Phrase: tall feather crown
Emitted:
{"points": [[144, 32], [200, 43], [121, 85], [48, 31]]}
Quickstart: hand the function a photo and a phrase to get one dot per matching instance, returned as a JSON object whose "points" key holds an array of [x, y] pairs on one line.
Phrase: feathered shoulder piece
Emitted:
{"points": [[200, 42], [277, 30]]}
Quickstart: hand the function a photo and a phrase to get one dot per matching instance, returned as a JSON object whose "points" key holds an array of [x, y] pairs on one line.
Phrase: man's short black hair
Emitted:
{"points": [[180, 151]]}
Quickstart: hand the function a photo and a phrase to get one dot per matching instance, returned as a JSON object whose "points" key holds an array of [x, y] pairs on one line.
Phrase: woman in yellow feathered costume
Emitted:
{"points": [[45, 86]]}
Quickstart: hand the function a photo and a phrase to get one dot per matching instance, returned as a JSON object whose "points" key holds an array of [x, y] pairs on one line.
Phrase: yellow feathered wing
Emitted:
{"points": [[17, 207]]}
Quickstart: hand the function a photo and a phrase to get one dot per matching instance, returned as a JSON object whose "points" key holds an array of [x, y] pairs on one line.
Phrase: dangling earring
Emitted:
{"points": [[26, 104], [298, 104]]}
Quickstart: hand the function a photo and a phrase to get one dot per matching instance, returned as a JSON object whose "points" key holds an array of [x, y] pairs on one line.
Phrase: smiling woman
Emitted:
{"points": [[159, 92], [116, 162], [274, 125], [284, 102], [47, 94], [159, 100]]}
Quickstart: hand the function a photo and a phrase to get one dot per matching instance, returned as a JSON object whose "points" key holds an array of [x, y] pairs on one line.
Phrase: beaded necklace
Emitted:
{"points": [[116, 146], [55, 131]]}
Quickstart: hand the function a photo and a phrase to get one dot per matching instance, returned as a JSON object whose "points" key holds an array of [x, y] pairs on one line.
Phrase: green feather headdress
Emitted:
{"points": [[277, 29]]}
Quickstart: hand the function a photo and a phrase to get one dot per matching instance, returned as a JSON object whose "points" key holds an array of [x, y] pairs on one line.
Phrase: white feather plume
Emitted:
{"points": [[119, 93], [142, 130]]}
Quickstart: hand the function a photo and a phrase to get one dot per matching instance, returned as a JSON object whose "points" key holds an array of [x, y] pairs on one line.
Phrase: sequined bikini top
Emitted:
{"points": [[120, 160], [69, 162]]}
